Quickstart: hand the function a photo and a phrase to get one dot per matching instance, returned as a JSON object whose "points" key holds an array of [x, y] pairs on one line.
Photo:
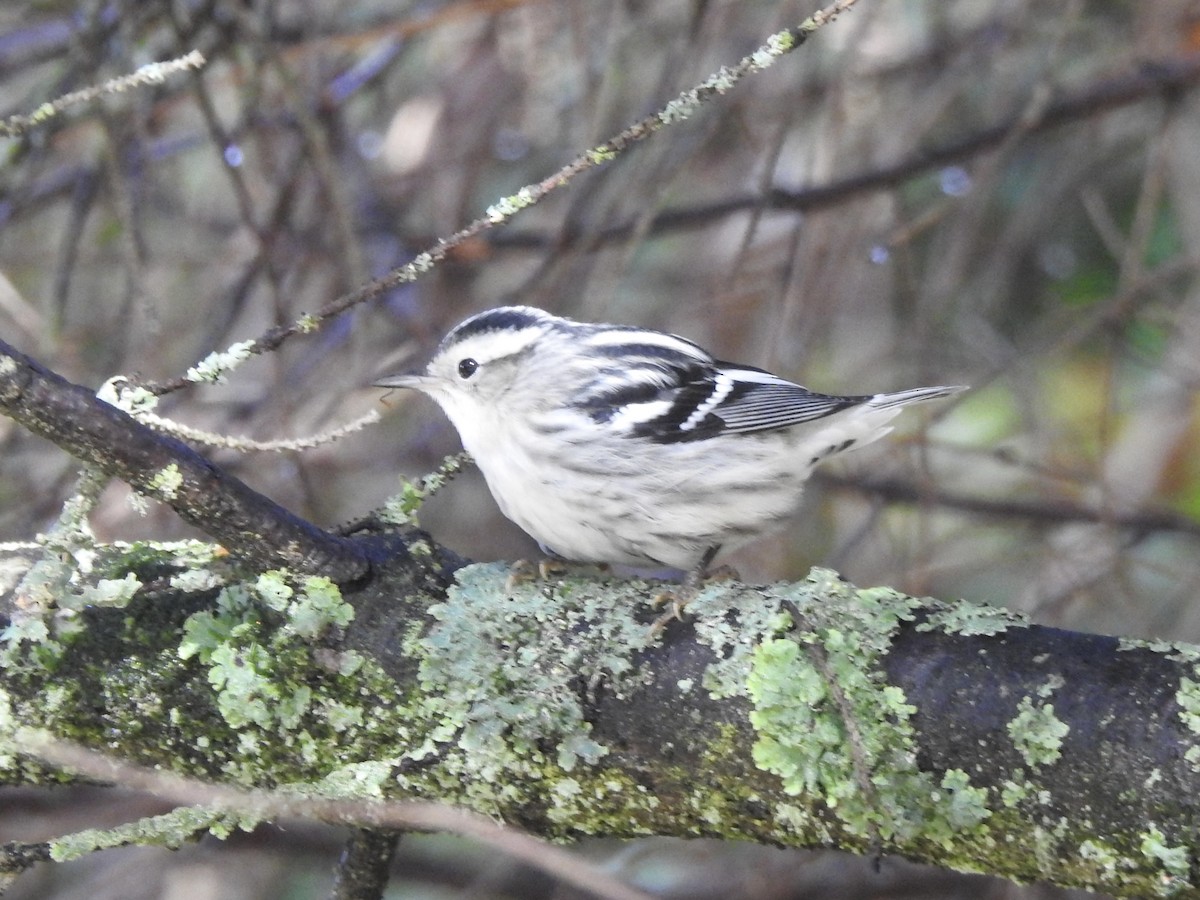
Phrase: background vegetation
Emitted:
{"points": [[1000, 194]]}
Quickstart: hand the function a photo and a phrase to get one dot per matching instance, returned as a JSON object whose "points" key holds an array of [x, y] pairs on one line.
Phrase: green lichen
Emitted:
{"points": [[963, 805], [508, 206], [1188, 698], [289, 704], [8, 727], [1050, 685], [787, 697], [776, 46], [401, 509], [1175, 861], [316, 608], [732, 621], [506, 675], [1173, 650], [216, 366], [244, 657], [505, 705], [420, 264], [342, 716], [1100, 857], [367, 780], [970, 620], [58, 578], [105, 592], [679, 109], [185, 556], [76, 573], [1037, 732], [171, 830], [26, 647], [133, 399], [167, 482], [498, 718], [803, 733], [719, 800], [1015, 791]]}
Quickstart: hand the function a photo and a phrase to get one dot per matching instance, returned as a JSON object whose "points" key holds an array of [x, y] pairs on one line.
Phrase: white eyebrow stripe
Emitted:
{"points": [[722, 385], [614, 338], [493, 345]]}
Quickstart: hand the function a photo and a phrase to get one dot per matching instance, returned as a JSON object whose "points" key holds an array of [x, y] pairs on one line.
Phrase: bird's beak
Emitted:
{"points": [[413, 381]]}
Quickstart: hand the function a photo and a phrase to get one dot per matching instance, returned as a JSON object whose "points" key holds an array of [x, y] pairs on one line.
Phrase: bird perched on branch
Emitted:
{"points": [[614, 444]]}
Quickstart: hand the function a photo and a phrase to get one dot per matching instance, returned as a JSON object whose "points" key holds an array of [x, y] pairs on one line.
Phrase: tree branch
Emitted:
{"points": [[680, 108], [364, 867], [1048, 511], [1168, 78], [254, 529], [990, 744]]}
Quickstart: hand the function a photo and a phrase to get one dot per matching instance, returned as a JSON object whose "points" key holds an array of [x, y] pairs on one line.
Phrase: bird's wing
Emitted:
{"points": [[693, 397]]}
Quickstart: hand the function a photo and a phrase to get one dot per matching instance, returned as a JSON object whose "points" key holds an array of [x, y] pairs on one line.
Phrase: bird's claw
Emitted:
{"points": [[525, 571], [680, 597]]}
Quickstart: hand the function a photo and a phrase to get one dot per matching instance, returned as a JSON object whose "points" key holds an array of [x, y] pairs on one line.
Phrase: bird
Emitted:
{"points": [[619, 445]]}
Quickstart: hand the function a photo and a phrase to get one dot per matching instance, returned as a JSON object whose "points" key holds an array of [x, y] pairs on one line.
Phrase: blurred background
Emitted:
{"points": [[1003, 194]]}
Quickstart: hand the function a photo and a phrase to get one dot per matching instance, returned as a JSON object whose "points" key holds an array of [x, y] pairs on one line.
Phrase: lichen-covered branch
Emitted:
{"points": [[149, 74], [989, 744], [255, 530]]}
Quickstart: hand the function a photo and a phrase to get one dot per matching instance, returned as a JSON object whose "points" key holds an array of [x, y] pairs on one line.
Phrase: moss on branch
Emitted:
{"points": [[809, 714]]}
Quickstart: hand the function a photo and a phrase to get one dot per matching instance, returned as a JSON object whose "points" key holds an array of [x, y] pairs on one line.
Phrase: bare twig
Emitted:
{"points": [[266, 805], [680, 108], [1162, 78], [897, 490]]}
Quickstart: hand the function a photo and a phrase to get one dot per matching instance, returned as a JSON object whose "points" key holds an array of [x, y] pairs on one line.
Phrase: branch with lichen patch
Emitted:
{"points": [[989, 744], [149, 74], [256, 530]]}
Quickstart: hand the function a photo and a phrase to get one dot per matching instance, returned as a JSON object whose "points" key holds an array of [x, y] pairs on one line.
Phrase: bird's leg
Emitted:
{"points": [[525, 571], [697, 578], [522, 571]]}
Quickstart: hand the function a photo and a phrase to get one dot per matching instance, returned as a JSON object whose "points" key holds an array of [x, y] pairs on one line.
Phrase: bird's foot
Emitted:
{"points": [[525, 571], [678, 598]]}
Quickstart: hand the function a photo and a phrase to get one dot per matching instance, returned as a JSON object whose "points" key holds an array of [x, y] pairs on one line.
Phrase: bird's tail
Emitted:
{"points": [[913, 395], [864, 423]]}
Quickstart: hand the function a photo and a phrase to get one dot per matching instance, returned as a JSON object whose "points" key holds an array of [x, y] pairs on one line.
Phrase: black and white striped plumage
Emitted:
{"points": [[614, 444]]}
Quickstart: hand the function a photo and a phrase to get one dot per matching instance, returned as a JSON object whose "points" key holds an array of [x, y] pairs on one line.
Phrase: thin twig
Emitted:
{"points": [[151, 73], [896, 490], [266, 805], [1163, 78], [676, 110], [247, 445]]}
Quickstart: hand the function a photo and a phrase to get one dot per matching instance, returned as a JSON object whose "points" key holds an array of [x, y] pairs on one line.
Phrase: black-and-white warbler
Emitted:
{"points": [[613, 444]]}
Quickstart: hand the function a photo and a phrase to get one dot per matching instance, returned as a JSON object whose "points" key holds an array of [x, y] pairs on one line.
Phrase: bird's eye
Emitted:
{"points": [[467, 367]]}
